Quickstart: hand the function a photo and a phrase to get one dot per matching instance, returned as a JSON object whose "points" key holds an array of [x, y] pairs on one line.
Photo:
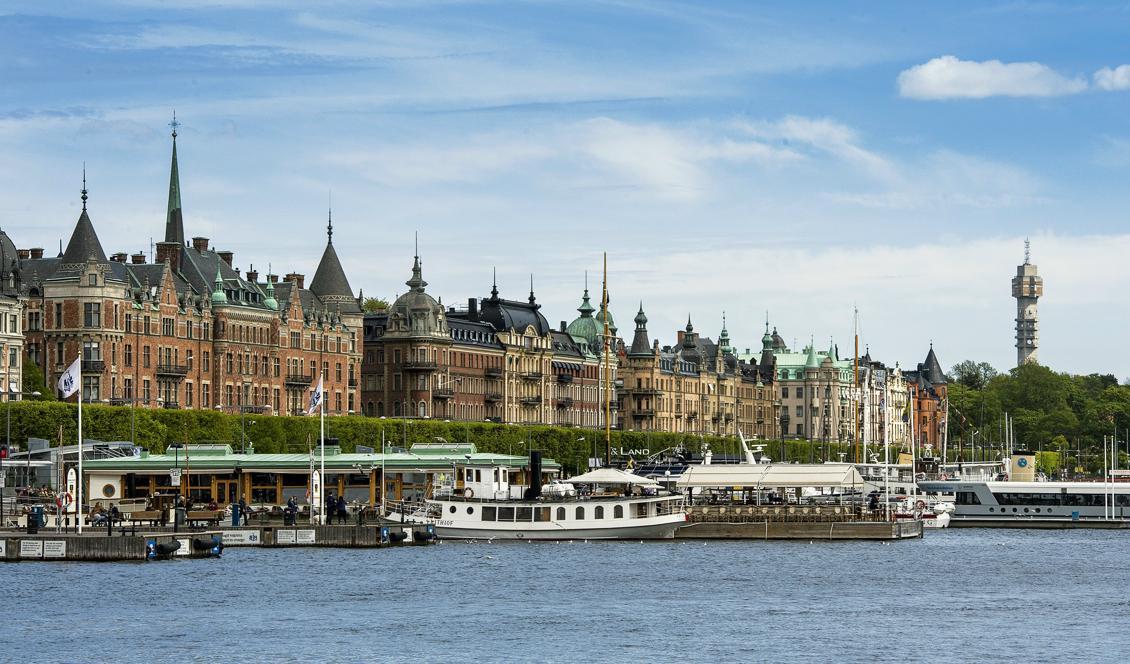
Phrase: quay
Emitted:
{"points": [[792, 523], [346, 537], [96, 546]]}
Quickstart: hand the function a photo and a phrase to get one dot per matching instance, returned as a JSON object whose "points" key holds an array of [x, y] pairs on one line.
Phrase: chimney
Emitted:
{"points": [[119, 257], [200, 244], [682, 335], [472, 309], [534, 492], [138, 258], [296, 278], [37, 252], [225, 256], [252, 275], [24, 254], [169, 251], [273, 278], [562, 326]]}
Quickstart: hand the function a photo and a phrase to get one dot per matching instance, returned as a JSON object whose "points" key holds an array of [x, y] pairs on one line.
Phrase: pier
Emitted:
{"points": [[97, 547], [792, 523], [347, 537]]}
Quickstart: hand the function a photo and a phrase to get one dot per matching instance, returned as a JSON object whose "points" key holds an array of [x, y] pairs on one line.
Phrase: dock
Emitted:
{"points": [[345, 537], [96, 546], [792, 523]]}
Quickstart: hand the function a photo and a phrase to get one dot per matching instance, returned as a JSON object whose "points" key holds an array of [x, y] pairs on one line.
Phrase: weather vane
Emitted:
{"points": [[174, 124]]}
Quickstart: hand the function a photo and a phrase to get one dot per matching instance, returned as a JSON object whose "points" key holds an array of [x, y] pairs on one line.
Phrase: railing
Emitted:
{"points": [[645, 392], [530, 401], [567, 402], [564, 378], [443, 393], [492, 397], [741, 513], [493, 372], [298, 379], [353, 382], [644, 413], [178, 370], [93, 366], [532, 375], [171, 405], [419, 365]]}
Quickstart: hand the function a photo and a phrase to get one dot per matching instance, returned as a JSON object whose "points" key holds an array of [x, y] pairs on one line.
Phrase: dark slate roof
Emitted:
{"points": [[565, 346], [466, 332], [330, 284], [513, 315], [84, 245], [374, 326], [641, 345], [933, 369]]}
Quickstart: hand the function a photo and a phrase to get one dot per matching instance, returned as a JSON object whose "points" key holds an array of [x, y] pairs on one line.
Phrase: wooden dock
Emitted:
{"points": [[792, 523], [348, 537], [96, 546]]}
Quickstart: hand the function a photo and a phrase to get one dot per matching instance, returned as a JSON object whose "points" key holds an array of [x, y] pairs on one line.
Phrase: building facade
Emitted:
{"points": [[189, 330], [13, 297]]}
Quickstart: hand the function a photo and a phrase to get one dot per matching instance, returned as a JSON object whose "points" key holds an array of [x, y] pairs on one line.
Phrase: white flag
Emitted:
{"points": [[71, 379], [315, 398]]}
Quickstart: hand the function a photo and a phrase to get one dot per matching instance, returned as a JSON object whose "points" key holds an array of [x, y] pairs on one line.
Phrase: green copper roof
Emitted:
{"points": [[218, 295], [585, 326], [174, 223]]}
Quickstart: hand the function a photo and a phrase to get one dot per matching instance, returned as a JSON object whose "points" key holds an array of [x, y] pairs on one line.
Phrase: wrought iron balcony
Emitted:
{"points": [[532, 375], [645, 392], [567, 402], [93, 366], [645, 413], [172, 370], [299, 379], [564, 378], [530, 401], [493, 372], [443, 393], [492, 397], [419, 365]]}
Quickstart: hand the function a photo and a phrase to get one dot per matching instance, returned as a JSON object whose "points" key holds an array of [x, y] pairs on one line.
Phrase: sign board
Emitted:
{"points": [[174, 477], [55, 549], [284, 537], [242, 538], [185, 547], [72, 488], [304, 536], [3, 549], [3, 481], [316, 491], [31, 548]]}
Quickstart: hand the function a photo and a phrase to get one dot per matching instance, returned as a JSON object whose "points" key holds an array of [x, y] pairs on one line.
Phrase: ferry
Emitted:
{"points": [[602, 504], [1035, 504]]}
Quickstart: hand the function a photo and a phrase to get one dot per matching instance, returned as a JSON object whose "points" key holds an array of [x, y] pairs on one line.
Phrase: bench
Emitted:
{"points": [[209, 517], [140, 516]]}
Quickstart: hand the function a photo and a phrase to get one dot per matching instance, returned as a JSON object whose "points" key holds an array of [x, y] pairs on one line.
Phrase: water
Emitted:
{"points": [[957, 595]]}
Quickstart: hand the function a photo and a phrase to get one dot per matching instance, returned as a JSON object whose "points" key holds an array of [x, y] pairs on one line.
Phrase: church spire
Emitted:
{"points": [[174, 219]]}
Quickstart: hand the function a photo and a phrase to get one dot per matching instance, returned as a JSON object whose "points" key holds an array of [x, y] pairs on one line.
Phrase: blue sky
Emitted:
{"points": [[730, 157]]}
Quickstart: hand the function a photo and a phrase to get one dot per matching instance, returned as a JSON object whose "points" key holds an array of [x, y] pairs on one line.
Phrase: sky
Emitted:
{"points": [[795, 160]]}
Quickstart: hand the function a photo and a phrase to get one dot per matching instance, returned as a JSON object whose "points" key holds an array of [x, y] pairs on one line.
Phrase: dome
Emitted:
{"points": [[417, 314], [585, 326]]}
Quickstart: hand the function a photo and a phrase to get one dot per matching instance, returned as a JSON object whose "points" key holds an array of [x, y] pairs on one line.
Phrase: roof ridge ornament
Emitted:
{"points": [[83, 197]]}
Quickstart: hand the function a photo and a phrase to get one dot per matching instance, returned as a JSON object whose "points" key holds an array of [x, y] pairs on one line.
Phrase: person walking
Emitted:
{"points": [[243, 511], [342, 510]]}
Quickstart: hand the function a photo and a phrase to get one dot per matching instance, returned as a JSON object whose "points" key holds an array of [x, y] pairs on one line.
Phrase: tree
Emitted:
{"points": [[374, 304], [974, 375], [33, 381]]}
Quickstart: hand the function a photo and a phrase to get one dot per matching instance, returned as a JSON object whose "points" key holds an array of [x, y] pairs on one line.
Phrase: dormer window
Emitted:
{"points": [[92, 279]]}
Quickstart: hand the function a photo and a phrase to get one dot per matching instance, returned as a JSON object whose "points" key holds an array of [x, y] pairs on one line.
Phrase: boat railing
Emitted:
{"points": [[416, 510], [792, 513]]}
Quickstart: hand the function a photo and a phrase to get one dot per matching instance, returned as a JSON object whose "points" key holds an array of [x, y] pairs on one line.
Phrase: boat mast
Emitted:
{"points": [[856, 408], [607, 370]]}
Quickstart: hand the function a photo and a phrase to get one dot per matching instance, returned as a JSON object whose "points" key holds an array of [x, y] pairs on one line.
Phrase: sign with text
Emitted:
{"points": [[31, 548], [185, 547], [72, 488], [174, 477], [55, 549], [284, 537], [304, 536], [242, 538], [3, 549]]}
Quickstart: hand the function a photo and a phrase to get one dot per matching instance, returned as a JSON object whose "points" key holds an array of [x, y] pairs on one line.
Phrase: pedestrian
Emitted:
{"points": [[331, 507], [342, 512], [243, 511]]}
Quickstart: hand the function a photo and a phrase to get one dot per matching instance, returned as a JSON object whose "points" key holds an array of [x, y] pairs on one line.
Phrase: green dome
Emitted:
{"points": [[585, 326]]}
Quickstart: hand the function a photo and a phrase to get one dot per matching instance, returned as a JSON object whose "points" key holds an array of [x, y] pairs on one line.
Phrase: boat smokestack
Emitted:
{"points": [[534, 492]]}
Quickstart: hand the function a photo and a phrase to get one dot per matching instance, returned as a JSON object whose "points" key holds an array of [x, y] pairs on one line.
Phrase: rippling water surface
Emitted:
{"points": [[958, 595]]}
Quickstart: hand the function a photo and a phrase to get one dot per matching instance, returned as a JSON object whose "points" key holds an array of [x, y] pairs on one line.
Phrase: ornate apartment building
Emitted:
{"points": [[694, 387], [13, 295], [497, 360], [190, 330]]}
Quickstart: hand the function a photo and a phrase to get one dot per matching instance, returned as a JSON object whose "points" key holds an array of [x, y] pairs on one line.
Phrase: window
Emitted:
{"points": [[145, 393], [205, 361], [91, 351], [145, 356], [276, 367], [599, 512], [58, 315], [128, 355], [90, 388], [167, 327], [127, 389], [188, 394], [580, 513], [228, 363], [92, 279], [91, 314], [188, 329], [618, 512], [188, 359], [490, 513], [560, 513], [34, 321]]}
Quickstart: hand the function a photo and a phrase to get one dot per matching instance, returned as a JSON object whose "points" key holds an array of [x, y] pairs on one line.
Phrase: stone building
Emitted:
{"points": [[928, 392], [695, 387], [190, 330], [13, 295]]}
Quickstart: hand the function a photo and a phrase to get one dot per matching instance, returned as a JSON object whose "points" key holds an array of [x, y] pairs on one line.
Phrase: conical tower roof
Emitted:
{"points": [[932, 369], [641, 345], [84, 245], [174, 221], [329, 282]]}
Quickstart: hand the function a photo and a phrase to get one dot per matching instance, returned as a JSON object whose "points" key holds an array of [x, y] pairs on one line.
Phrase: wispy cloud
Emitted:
{"points": [[1113, 79]]}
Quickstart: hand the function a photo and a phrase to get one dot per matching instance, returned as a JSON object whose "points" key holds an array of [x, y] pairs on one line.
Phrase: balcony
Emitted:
{"points": [[729, 417], [692, 415], [645, 392], [565, 378], [419, 365], [254, 410], [493, 372], [353, 383], [93, 366], [299, 379], [567, 402], [530, 401], [172, 370], [532, 375], [492, 397], [644, 414], [171, 405], [443, 393]]}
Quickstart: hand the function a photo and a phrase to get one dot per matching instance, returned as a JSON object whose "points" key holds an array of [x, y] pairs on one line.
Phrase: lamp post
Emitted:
{"points": [[784, 428]]}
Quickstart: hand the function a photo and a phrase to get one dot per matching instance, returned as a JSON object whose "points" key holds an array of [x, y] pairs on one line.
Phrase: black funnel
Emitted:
{"points": [[534, 492]]}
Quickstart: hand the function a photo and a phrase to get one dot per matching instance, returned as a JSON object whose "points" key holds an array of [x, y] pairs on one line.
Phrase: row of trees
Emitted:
{"points": [[1064, 416]]}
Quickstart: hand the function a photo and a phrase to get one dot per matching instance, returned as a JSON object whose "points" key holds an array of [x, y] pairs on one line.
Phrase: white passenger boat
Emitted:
{"points": [[603, 504], [1034, 503]]}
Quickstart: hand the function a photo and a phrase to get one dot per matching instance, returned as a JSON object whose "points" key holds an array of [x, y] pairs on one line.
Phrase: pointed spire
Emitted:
{"points": [[690, 328], [83, 189], [174, 220], [811, 362], [270, 302], [84, 244], [641, 346], [218, 294], [532, 300], [60, 248], [586, 307], [330, 226], [417, 283], [330, 283], [494, 283], [1027, 251]]}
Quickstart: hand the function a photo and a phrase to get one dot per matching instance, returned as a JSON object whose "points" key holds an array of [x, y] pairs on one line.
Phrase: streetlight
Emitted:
{"points": [[8, 445]]}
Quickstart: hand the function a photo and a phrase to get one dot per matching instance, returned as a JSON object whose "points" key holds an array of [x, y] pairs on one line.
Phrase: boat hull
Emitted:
{"points": [[664, 530]]}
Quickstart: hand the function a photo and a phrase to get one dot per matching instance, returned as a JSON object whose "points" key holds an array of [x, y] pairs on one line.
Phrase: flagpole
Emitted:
{"points": [[78, 502], [322, 418]]}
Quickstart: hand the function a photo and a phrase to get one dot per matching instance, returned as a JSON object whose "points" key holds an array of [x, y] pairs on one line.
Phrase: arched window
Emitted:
{"points": [[618, 512], [422, 409], [580, 513], [560, 513], [599, 512], [380, 409]]}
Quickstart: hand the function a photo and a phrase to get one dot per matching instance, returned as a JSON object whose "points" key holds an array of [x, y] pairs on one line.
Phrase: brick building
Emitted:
{"points": [[190, 330]]}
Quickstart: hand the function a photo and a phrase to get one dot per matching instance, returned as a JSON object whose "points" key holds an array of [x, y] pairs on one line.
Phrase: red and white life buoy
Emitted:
{"points": [[64, 500], [468, 492], [920, 505]]}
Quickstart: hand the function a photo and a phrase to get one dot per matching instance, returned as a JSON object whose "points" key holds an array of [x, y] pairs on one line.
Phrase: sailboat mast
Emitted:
{"points": [[607, 369], [856, 409]]}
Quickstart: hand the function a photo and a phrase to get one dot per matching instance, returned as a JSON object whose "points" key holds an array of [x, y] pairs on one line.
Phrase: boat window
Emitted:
{"points": [[490, 513], [525, 514], [451, 509], [505, 513], [541, 514], [478, 475], [580, 513], [470, 510], [641, 510], [599, 512], [561, 513], [618, 512], [967, 498], [470, 474]]}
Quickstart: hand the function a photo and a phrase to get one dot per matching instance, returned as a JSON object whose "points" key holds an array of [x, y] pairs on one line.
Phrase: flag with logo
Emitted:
{"points": [[70, 381], [315, 398]]}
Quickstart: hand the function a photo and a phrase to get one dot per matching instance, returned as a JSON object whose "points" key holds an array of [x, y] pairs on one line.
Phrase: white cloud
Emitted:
{"points": [[948, 77], [1113, 79]]}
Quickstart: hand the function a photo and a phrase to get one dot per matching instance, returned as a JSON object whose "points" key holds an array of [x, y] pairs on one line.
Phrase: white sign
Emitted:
{"points": [[3, 549], [55, 549], [242, 538], [284, 537], [31, 548], [174, 477], [72, 488], [185, 547], [3, 480], [304, 536]]}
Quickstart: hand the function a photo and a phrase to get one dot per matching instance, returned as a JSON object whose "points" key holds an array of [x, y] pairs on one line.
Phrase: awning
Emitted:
{"points": [[768, 476], [611, 476], [567, 366]]}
